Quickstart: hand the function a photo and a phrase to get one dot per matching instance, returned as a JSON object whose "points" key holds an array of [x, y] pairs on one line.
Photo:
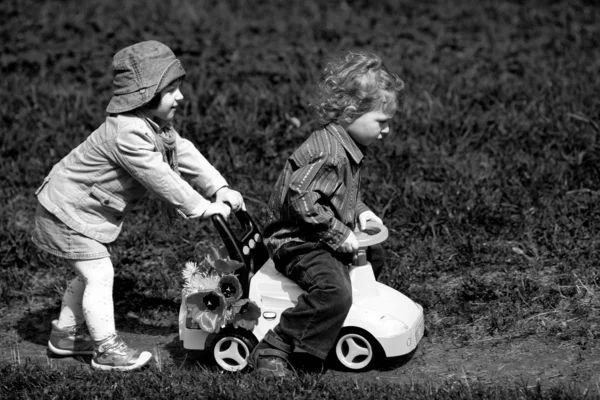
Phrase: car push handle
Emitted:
{"points": [[233, 243], [374, 233], [243, 248]]}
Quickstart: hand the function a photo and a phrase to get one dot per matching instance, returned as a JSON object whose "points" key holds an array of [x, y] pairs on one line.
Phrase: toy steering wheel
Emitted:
{"points": [[374, 233]]}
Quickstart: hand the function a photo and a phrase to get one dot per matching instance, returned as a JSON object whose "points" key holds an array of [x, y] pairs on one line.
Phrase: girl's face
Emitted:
{"points": [[371, 126], [170, 97]]}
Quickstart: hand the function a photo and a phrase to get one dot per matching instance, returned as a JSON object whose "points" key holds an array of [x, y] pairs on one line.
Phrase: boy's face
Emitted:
{"points": [[170, 97], [371, 126]]}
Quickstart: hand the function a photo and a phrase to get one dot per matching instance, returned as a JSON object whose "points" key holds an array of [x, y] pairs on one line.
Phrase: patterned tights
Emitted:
{"points": [[88, 298]]}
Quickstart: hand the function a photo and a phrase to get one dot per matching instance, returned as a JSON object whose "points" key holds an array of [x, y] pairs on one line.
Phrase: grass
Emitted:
{"points": [[201, 384], [489, 185]]}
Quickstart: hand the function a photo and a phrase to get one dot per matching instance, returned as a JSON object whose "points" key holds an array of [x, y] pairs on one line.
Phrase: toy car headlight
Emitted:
{"points": [[393, 324]]}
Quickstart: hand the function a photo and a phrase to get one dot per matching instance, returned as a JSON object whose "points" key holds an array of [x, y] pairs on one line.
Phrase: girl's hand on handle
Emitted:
{"points": [[350, 245], [217, 208], [231, 197]]}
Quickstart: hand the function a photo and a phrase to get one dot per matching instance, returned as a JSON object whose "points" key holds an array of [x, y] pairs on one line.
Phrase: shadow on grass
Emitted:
{"points": [[151, 323], [33, 327], [393, 363], [189, 359], [135, 313]]}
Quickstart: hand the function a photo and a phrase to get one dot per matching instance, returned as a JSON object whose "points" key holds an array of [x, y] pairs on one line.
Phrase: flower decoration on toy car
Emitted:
{"points": [[246, 314], [213, 294], [207, 308], [230, 287]]}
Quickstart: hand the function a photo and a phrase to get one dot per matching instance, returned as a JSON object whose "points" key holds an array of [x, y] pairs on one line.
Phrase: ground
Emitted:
{"points": [[523, 361]]}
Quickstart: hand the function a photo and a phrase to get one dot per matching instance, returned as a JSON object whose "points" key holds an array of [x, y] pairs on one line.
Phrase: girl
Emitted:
{"points": [[82, 202]]}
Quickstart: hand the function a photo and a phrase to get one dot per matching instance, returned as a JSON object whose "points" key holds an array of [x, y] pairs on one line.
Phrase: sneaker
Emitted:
{"points": [[71, 340], [270, 361], [271, 365], [114, 354]]}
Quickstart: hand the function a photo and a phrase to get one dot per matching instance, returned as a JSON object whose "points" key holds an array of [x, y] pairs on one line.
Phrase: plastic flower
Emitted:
{"points": [[189, 270], [246, 314], [227, 266], [204, 282], [217, 254], [230, 287], [213, 295], [221, 262], [207, 308]]}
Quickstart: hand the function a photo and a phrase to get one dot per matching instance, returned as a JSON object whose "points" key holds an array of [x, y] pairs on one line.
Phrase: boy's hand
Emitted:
{"points": [[231, 197], [350, 245], [217, 208], [368, 216]]}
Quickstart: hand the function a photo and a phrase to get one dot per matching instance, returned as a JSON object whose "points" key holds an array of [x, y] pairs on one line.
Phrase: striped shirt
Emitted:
{"points": [[316, 197]]}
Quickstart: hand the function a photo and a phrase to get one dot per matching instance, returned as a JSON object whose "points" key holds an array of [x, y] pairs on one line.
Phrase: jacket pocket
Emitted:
{"points": [[107, 199]]}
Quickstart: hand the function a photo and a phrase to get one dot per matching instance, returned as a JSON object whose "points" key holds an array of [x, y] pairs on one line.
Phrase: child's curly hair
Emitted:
{"points": [[352, 85]]}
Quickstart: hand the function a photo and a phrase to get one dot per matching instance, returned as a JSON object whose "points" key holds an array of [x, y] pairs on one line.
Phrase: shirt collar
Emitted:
{"points": [[346, 141], [153, 125]]}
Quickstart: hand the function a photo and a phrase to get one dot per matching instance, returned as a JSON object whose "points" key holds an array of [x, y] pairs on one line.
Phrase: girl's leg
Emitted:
{"points": [[69, 334], [97, 300], [71, 312], [110, 351]]}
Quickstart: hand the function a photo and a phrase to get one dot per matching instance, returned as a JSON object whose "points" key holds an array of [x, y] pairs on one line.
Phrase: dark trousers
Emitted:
{"points": [[315, 322]]}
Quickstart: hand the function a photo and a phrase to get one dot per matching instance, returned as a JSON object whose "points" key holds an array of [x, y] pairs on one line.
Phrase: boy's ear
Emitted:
{"points": [[347, 115]]}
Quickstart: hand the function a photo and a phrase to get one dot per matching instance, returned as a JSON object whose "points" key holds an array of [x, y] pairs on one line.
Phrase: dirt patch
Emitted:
{"points": [[522, 361], [525, 361]]}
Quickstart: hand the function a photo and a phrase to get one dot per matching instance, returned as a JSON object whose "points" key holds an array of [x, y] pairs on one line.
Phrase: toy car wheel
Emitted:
{"points": [[232, 348], [356, 350]]}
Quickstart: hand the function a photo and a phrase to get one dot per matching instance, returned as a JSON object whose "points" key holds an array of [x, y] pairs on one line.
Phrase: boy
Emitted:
{"points": [[316, 205]]}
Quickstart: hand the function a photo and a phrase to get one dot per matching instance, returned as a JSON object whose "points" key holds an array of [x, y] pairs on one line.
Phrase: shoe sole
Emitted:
{"points": [[267, 373], [62, 352], [142, 360]]}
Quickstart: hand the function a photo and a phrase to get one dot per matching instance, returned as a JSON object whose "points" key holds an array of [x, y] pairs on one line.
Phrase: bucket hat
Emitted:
{"points": [[140, 72]]}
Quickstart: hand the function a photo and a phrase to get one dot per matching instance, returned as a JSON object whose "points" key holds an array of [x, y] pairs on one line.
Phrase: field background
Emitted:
{"points": [[489, 184]]}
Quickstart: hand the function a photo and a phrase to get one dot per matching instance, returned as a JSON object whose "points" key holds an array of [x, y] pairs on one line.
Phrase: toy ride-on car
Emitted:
{"points": [[382, 322]]}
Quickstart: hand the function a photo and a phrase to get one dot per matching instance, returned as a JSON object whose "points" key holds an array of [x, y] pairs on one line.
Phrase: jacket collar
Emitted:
{"points": [[346, 141], [153, 125]]}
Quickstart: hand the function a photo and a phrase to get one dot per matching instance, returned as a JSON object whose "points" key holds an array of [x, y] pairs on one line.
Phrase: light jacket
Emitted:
{"points": [[101, 180]]}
